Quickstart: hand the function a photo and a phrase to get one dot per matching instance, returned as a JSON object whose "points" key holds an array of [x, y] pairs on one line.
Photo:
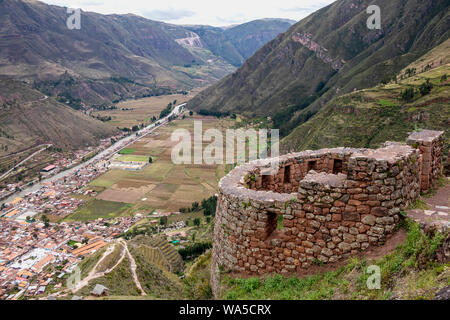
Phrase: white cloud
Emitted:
{"points": [[212, 12]]}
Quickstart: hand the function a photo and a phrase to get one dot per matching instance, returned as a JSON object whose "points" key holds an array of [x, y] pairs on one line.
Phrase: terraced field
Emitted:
{"points": [[155, 256], [168, 252]]}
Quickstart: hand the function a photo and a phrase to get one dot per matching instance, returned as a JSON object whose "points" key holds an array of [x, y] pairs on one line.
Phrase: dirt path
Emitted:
{"points": [[93, 274], [133, 267], [438, 212]]}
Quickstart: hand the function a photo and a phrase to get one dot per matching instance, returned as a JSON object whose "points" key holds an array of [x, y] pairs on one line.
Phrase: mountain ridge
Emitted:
{"points": [[287, 78], [37, 46]]}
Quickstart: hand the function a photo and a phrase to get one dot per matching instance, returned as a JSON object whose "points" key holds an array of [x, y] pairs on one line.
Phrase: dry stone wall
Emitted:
{"points": [[321, 205]]}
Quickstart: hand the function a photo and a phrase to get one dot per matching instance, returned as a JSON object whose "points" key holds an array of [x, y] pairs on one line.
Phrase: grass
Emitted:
{"points": [[196, 282], [156, 282], [369, 117], [89, 262], [386, 103], [94, 209], [127, 151], [419, 204], [410, 272], [127, 158], [119, 282]]}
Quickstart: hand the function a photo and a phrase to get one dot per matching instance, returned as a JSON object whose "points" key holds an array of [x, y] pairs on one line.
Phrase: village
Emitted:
{"points": [[30, 247]]}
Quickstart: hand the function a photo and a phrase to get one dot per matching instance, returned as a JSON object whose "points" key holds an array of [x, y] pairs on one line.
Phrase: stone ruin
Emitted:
{"points": [[320, 206]]}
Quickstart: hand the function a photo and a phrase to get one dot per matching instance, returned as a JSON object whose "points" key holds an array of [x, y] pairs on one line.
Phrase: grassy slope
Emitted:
{"points": [[156, 282], [284, 72], [403, 276], [369, 117], [26, 120]]}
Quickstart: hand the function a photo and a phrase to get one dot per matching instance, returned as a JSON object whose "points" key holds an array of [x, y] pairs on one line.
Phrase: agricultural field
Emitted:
{"points": [[96, 208], [136, 112], [161, 186]]}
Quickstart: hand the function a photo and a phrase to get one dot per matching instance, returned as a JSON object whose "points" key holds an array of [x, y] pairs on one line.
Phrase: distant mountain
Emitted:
{"points": [[238, 43], [329, 53], [28, 118], [111, 57]]}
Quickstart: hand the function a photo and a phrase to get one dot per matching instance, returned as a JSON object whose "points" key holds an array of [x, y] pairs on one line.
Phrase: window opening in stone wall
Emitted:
{"points": [[337, 166], [312, 165], [272, 223], [265, 181], [287, 174]]}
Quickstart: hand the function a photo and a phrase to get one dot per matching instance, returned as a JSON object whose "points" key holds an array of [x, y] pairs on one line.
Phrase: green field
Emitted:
{"points": [[94, 209], [127, 158], [127, 151]]}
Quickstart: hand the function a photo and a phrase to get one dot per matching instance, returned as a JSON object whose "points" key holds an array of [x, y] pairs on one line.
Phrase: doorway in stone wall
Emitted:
{"points": [[274, 225], [312, 165], [266, 180], [337, 166], [287, 174]]}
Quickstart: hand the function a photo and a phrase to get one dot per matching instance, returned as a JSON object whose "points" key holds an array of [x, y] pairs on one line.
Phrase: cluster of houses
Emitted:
{"points": [[35, 258], [61, 163]]}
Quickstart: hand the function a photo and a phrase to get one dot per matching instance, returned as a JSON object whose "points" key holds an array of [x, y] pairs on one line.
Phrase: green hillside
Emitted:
{"points": [[327, 54], [28, 118], [367, 118]]}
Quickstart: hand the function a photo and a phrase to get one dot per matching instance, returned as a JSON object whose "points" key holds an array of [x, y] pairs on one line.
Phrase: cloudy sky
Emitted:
{"points": [[212, 12]]}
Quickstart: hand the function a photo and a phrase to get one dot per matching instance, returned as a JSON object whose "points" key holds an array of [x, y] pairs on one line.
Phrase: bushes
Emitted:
{"points": [[217, 114], [408, 94], [208, 205], [195, 250], [166, 111], [425, 87]]}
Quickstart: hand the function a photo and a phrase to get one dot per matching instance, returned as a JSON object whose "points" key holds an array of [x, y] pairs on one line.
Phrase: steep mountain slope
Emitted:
{"points": [[36, 44], [367, 118], [238, 43], [28, 118], [111, 57], [330, 52]]}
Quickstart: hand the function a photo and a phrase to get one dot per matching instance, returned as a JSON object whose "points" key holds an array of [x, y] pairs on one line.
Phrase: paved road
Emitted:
{"points": [[112, 150]]}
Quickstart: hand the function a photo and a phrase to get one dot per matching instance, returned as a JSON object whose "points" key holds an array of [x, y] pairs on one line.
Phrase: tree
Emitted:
{"points": [[150, 160], [425, 87], [191, 113], [408, 94], [163, 221], [46, 221], [197, 222]]}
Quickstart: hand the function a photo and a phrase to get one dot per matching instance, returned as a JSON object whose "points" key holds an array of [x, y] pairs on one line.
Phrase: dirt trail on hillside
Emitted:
{"points": [[93, 274], [133, 268]]}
